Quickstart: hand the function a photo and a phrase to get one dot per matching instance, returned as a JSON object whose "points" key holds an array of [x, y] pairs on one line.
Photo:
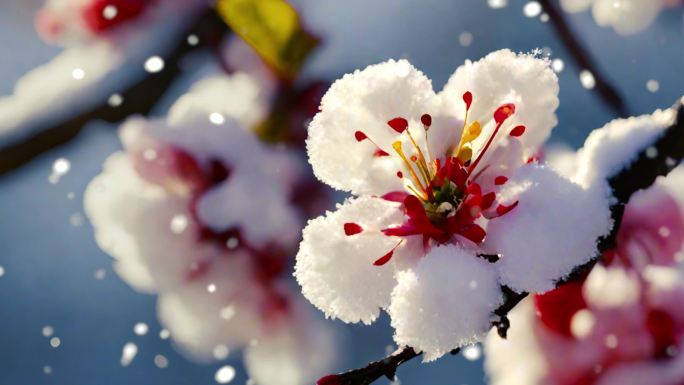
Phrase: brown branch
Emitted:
{"points": [[583, 59], [140, 98], [638, 175]]}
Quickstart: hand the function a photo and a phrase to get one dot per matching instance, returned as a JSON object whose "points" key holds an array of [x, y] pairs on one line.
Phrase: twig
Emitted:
{"points": [[139, 99], [638, 175], [582, 58]]}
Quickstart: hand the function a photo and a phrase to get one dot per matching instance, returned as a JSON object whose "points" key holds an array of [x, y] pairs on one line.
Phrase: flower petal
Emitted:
{"points": [[505, 77], [366, 101], [607, 150], [300, 349], [336, 270], [445, 302], [629, 17], [554, 228]]}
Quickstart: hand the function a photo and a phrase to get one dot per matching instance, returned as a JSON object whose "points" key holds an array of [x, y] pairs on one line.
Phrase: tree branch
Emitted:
{"points": [[582, 59], [638, 175], [140, 98]]}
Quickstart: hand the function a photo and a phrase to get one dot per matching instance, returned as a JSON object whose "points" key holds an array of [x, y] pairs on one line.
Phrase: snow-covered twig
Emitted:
{"points": [[653, 161], [140, 99], [582, 58]]}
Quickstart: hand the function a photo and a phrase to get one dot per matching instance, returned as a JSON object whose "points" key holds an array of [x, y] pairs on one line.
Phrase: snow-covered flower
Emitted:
{"points": [[198, 211], [102, 58], [441, 180], [623, 324], [625, 16], [76, 21]]}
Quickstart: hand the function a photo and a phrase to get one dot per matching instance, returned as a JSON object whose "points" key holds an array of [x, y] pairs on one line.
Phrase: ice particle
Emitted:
{"points": [[154, 64], [130, 350], [587, 79], [532, 9], [225, 374]]}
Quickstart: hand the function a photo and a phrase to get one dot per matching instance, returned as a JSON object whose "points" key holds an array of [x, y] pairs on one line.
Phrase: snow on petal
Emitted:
{"points": [[294, 353], [613, 147], [626, 16], [336, 271], [506, 77], [445, 302], [518, 358], [131, 235], [554, 228], [365, 102], [611, 288]]}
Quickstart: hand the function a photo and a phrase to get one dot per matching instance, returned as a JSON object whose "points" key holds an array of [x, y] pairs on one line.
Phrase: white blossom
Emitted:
{"points": [[433, 169]]}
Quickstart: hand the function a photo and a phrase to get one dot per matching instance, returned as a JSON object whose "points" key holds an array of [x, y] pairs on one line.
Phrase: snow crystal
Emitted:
{"points": [[140, 328], [434, 308], [225, 374], [532, 9], [652, 86], [220, 352], [553, 229], [55, 342], [48, 331], [160, 361], [587, 79], [154, 64], [128, 353]]}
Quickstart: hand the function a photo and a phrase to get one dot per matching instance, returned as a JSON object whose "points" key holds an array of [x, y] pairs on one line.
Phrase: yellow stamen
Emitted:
{"points": [[465, 154], [397, 147], [469, 134], [421, 158]]}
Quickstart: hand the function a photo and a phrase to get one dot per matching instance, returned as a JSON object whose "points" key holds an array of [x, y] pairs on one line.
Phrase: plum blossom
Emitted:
{"points": [[107, 43], [72, 22], [625, 16], [443, 185], [621, 324], [197, 211]]}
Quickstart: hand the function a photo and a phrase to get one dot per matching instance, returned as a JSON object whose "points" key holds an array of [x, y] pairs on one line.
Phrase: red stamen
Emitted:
{"points": [[503, 209], [499, 180], [351, 228], [504, 112], [387, 257], [395, 196], [500, 116], [333, 379], [426, 119], [468, 99], [398, 124], [487, 200], [517, 131], [361, 136], [414, 158], [400, 174]]}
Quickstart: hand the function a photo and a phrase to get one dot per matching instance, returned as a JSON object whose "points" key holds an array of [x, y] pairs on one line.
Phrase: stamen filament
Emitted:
{"points": [[485, 148], [421, 158], [397, 147]]}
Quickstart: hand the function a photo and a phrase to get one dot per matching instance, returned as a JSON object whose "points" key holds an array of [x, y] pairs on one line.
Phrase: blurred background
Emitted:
{"points": [[65, 315]]}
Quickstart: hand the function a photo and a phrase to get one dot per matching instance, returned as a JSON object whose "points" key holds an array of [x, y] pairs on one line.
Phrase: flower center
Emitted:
{"points": [[445, 199]]}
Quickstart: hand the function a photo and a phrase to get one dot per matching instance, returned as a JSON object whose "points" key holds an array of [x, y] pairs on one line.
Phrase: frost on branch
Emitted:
{"points": [[447, 170], [621, 324], [195, 210]]}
